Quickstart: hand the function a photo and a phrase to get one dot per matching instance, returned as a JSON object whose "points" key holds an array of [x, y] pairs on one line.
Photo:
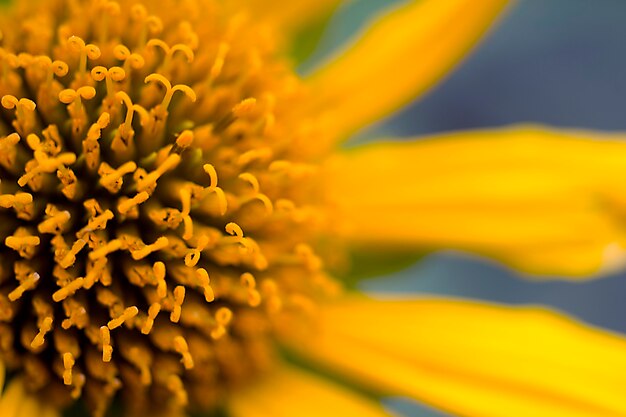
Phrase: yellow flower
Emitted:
{"points": [[168, 185]]}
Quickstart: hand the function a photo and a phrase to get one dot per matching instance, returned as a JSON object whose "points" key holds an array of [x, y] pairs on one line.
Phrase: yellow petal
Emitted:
{"points": [[12, 399], [3, 371], [288, 16], [15, 402], [289, 392], [400, 56], [474, 360], [545, 201]]}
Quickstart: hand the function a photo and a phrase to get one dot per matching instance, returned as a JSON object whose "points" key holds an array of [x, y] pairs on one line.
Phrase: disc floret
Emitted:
{"points": [[158, 208]]}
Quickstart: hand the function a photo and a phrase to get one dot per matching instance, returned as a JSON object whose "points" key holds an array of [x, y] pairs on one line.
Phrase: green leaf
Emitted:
{"points": [[328, 373], [367, 263], [306, 39]]}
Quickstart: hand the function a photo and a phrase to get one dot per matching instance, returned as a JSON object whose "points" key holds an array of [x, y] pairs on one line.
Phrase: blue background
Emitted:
{"points": [[557, 62]]}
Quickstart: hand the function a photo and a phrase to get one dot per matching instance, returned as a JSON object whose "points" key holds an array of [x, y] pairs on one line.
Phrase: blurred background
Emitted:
{"points": [[556, 62]]}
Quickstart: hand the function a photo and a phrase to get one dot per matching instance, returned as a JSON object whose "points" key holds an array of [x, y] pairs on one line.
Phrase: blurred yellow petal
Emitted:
{"points": [[15, 402], [400, 56], [289, 16], [289, 392], [473, 359], [2, 375], [545, 201], [11, 399]]}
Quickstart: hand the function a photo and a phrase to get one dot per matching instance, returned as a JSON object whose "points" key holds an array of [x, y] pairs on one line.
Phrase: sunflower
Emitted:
{"points": [[174, 205]]}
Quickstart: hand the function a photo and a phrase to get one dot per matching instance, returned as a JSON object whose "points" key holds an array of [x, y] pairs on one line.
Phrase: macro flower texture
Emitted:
{"points": [[177, 216]]}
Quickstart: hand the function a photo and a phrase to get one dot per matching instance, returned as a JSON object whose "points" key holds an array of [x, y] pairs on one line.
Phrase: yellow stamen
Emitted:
{"points": [[68, 364], [76, 314], [142, 359], [12, 200], [22, 105], [111, 156], [185, 198], [203, 282], [110, 247], [45, 327], [100, 73], [169, 90], [25, 285], [99, 222], [159, 274], [183, 141], [69, 259], [149, 23], [127, 315], [193, 256], [86, 51], [57, 67], [79, 382], [107, 349], [149, 181], [23, 243], [273, 302], [123, 143], [179, 298], [107, 10], [311, 261], [248, 281], [128, 204], [233, 229], [93, 207], [159, 244], [8, 151], [175, 385], [212, 173], [47, 165], [251, 179], [244, 107], [69, 290], [70, 185], [239, 110], [180, 345], [170, 52], [218, 64], [96, 272], [188, 35], [131, 60], [91, 146], [221, 197], [111, 178], [261, 154], [74, 100], [71, 96], [153, 311], [24, 113]]}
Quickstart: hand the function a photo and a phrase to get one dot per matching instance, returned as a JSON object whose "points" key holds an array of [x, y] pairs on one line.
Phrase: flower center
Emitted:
{"points": [[158, 202]]}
